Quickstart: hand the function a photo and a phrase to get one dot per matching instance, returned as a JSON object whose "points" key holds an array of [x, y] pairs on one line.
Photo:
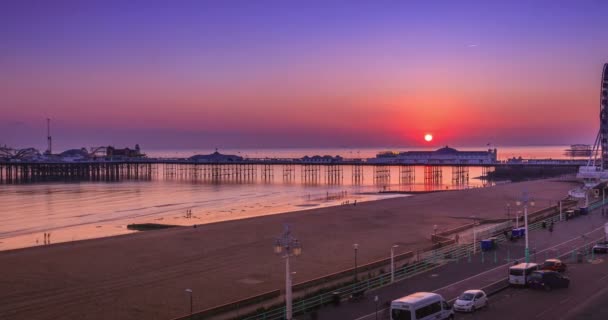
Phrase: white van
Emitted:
{"points": [[518, 274], [421, 306]]}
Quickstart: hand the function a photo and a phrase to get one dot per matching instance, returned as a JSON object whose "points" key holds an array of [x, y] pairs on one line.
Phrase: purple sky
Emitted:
{"points": [[199, 74]]}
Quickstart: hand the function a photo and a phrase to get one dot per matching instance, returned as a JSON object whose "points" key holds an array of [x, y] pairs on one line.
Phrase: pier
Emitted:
{"points": [[20, 172], [251, 170]]}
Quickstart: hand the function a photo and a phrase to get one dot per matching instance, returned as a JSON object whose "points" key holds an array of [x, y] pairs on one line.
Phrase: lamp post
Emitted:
{"points": [[189, 291], [525, 201], [356, 248], [603, 199], [474, 234], [376, 303], [288, 246], [393, 262]]}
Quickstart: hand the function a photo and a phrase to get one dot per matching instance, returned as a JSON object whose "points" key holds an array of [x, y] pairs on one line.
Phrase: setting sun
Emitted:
{"points": [[428, 137]]}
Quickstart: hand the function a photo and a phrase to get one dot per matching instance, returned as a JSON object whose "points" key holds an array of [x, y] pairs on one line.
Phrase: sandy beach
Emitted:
{"points": [[144, 275]]}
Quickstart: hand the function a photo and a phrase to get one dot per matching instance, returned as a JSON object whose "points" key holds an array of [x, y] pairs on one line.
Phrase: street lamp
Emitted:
{"points": [[525, 201], [603, 199], [356, 248], [288, 246], [393, 262], [189, 291], [474, 234], [376, 300]]}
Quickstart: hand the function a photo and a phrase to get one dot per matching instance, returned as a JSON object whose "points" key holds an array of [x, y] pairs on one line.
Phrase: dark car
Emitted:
{"points": [[601, 247], [548, 280], [553, 265]]}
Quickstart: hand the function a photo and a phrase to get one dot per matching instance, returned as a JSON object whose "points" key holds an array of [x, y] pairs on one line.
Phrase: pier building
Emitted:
{"points": [[216, 157], [439, 156], [321, 159], [113, 153]]}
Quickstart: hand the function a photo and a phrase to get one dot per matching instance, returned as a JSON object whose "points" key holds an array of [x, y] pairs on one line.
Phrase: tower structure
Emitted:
{"points": [[596, 170], [604, 117], [49, 140]]}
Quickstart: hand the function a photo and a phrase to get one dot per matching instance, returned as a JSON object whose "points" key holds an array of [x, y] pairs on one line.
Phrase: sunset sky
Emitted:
{"points": [[198, 74]]}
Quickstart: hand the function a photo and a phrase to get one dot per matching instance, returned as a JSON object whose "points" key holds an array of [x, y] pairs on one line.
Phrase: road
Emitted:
{"points": [[454, 277], [584, 299]]}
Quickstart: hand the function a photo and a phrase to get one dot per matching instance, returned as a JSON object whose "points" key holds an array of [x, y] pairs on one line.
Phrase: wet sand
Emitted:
{"points": [[88, 210], [144, 275]]}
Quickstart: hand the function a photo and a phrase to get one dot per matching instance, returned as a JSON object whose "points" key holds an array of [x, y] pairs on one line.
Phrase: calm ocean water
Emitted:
{"points": [[76, 211]]}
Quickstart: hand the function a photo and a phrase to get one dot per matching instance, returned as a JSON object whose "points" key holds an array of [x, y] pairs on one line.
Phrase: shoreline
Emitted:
{"points": [[122, 224]]}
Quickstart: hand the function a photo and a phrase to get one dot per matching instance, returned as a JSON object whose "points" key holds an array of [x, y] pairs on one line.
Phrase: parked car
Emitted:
{"points": [[601, 247], [553, 265], [471, 300], [548, 280]]}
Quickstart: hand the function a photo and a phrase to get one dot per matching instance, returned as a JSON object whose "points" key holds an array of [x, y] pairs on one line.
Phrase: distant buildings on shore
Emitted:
{"points": [[578, 151]]}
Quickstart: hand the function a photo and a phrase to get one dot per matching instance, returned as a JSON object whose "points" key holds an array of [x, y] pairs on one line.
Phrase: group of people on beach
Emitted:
{"points": [[189, 213], [47, 238], [347, 202]]}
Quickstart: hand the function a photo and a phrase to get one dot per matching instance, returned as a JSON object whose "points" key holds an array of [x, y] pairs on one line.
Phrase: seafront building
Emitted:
{"points": [[216, 157], [445, 155]]}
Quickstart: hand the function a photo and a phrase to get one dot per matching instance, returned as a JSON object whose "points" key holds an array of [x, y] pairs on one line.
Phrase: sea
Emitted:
{"points": [[72, 211]]}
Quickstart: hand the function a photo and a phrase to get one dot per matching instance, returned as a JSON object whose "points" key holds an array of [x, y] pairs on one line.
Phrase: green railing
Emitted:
{"points": [[306, 305]]}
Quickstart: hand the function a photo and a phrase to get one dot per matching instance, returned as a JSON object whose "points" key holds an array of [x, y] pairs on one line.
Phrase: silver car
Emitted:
{"points": [[471, 300]]}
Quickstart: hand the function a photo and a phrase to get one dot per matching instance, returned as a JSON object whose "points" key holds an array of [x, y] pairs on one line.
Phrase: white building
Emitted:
{"points": [[444, 155]]}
